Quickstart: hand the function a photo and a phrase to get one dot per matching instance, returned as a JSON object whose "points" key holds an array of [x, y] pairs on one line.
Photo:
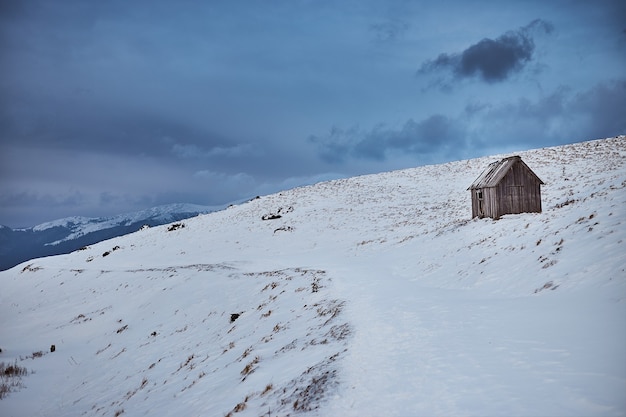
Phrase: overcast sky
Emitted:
{"points": [[114, 106]]}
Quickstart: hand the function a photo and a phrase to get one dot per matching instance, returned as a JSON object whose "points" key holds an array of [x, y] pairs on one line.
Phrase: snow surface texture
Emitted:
{"points": [[369, 296]]}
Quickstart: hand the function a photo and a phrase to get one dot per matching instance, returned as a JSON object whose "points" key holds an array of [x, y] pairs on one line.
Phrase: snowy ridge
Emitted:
{"points": [[69, 234], [83, 225], [368, 296]]}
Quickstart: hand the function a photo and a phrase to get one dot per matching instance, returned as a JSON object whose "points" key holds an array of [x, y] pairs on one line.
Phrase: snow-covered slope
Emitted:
{"points": [[68, 234], [369, 296]]}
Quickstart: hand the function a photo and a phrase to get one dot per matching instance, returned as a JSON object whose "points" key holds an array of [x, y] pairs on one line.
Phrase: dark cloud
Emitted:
{"points": [[616, 14], [18, 205], [435, 135], [10, 8], [23, 198], [556, 118], [492, 60], [603, 107], [337, 145], [521, 122], [79, 122]]}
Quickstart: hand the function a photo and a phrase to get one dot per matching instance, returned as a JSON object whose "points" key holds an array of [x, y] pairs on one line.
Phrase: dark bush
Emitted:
{"points": [[175, 226], [271, 216]]}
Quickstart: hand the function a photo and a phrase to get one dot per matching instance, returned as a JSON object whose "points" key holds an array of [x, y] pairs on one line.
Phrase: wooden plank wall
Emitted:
{"points": [[518, 192]]}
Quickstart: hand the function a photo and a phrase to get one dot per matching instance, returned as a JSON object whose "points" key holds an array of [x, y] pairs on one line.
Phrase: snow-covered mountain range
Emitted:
{"points": [[369, 296], [68, 234]]}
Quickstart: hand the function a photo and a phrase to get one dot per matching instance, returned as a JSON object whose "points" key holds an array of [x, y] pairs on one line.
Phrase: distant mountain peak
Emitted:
{"points": [[70, 233]]}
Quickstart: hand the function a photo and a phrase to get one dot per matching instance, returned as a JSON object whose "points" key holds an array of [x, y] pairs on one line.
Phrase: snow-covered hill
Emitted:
{"points": [[369, 296], [80, 225], [66, 235]]}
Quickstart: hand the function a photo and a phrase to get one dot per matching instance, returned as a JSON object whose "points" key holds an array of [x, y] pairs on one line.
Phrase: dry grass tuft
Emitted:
{"points": [[250, 368], [11, 378]]}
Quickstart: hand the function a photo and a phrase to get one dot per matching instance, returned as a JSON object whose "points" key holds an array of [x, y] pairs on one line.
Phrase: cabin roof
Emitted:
{"points": [[491, 176]]}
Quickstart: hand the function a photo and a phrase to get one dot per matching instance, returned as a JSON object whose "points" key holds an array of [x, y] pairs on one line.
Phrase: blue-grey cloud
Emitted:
{"points": [[195, 151], [604, 109], [388, 31], [436, 134], [555, 118], [492, 60]]}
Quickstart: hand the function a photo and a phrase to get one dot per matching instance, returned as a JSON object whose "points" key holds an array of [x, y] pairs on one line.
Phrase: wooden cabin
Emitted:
{"points": [[508, 186]]}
